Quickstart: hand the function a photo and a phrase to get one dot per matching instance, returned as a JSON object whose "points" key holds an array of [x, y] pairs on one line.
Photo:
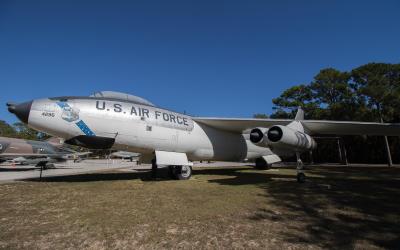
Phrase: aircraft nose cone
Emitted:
{"points": [[21, 110]]}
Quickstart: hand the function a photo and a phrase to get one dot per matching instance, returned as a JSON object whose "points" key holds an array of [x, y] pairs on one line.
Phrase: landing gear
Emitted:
{"points": [[301, 177], [154, 169], [45, 165], [180, 172], [171, 172], [262, 164]]}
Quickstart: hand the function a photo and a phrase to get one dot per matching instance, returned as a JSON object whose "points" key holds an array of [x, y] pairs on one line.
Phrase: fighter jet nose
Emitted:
{"points": [[21, 110]]}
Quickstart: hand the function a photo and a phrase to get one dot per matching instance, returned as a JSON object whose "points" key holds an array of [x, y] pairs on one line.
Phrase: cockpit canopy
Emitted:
{"points": [[122, 97]]}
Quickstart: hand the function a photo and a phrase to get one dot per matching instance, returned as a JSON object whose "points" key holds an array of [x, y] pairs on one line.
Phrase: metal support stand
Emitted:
{"points": [[343, 153], [389, 155], [301, 177], [41, 170], [340, 151]]}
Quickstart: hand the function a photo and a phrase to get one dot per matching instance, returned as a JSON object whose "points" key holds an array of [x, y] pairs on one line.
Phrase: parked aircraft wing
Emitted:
{"points": [[239, 125], [312, 127], [33, 155], [80, 153], [351, 128], [27, 155]]}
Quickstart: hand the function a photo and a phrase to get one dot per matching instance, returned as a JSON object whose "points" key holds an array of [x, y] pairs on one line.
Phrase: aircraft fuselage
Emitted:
{"points": [[139, 128]]}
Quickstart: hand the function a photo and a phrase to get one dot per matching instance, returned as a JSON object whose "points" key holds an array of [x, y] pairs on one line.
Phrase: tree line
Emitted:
{"points": [[370, 92], [20, 130]]}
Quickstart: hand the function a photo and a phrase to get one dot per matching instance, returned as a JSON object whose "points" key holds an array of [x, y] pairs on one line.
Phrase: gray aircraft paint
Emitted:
{"points": [[139, 128], [152, 115]]}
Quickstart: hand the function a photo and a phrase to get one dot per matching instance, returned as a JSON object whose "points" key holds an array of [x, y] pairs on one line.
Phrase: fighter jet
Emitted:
{"points": [[113, 120], [40, 153]]}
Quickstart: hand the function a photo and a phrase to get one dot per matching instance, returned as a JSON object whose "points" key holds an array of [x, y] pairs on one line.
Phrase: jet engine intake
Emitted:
{"points": [[257, 136]]}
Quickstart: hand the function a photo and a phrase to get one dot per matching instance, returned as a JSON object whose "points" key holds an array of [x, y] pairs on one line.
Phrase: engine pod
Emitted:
{"points": [[283, 137], [257, 136], [274, 134]]}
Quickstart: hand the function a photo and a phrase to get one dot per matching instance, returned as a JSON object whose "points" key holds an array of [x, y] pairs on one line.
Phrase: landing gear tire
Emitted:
{"points": [[301, 177], [180, 172], [171, 172], [262, 164]]}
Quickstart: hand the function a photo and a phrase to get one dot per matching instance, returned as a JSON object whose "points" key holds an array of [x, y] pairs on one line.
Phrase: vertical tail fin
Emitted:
{"points": [[299, 115], [296, 124]]}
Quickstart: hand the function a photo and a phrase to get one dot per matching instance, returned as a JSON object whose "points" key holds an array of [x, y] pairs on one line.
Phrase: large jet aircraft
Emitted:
{"points": [[113, 120], [39, 153]]}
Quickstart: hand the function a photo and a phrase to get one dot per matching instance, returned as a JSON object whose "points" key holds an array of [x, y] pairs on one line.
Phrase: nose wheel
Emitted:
{"points": [[301, 177]]}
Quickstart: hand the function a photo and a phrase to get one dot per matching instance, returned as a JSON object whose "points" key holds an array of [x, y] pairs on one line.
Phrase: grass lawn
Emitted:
{"points": [[237, 207]]}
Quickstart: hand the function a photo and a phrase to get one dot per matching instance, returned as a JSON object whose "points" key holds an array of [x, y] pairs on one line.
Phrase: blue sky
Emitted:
{"points": [[208, 58]]}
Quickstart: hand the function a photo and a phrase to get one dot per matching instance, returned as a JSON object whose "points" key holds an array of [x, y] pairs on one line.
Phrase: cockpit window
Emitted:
{"points": [[122, 97], [61, 98], [108, 95]]}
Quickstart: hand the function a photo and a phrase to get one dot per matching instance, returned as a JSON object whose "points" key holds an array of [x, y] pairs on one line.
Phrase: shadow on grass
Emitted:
{"points": [[16, 169], [239, 175], [339, 207], [144, 175]]}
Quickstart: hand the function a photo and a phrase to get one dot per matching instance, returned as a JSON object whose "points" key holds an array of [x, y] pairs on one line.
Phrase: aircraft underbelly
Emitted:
{"points": [[199, 144], [202, 143]]}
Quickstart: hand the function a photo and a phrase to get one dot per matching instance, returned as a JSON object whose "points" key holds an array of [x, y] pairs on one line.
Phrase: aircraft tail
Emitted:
{"points": [[299, 115], [296, 124]]}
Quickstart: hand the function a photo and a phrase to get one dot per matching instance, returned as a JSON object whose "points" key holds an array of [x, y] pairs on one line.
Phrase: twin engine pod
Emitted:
{"points": [[283, 138]]}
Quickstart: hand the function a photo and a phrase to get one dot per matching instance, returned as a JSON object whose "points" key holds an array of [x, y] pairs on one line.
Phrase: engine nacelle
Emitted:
{"points": [[282, 138], [257, 136], [285, 137]]}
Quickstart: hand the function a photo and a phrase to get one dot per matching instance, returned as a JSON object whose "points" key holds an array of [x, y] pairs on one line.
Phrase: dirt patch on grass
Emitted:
{"points": [[236, 207]]}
